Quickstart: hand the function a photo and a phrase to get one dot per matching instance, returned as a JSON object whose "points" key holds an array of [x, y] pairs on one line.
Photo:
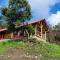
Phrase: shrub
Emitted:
{"points": [[57, 38]]}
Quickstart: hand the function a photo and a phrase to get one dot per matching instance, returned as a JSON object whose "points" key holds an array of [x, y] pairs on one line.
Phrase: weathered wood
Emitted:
{"points": [[41, 30], [24, 33], [27, 34], [12, 35], [45, 35], [31, 35], [18, 33], [36, 30]]}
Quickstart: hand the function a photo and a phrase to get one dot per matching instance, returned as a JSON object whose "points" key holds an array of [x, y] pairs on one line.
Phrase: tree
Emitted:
{"points": [[17, 10], [3, 22], [28, 29], [57, 27]]}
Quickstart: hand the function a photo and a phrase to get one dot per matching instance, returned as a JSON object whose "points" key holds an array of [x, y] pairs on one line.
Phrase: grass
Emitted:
{"points": [[4, 46], [46, 50]]}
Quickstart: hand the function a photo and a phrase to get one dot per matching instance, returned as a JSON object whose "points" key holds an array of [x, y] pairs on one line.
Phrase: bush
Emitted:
{"points": [[57, 38], [3, 43]]}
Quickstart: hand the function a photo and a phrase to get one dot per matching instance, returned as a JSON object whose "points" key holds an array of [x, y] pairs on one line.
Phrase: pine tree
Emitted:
{"points": [[17, 10]]}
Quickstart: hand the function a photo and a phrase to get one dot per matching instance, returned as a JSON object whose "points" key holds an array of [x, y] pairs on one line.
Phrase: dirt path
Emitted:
{"points": [[16, 54]]}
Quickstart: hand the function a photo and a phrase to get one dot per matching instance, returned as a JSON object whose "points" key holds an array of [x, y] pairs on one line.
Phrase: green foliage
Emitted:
{"points": [[47, 51], [4, 46], [4, 10], [17, 10], [11, 27], [3, 22], [28, 28], [56, 27], [44, 51], [57, 38]]}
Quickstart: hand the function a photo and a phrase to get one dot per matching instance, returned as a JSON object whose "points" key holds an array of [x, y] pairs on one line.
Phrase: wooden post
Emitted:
{"points": [[18, 34], [12, 35], [38, 33], [41, 29], [27, 34], [24, 33], [2, 35], [45, 35], [35, 29], [31, 35]]}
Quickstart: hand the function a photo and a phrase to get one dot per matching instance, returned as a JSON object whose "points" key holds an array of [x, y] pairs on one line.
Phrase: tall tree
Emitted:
{"points": [[57, 27], [17, 10]]}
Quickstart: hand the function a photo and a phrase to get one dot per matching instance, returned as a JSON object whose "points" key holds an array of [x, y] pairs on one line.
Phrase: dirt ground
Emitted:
{"points": [[16, 54]]}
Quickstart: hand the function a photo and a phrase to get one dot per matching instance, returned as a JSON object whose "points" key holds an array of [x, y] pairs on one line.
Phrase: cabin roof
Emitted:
{"points": [[1, 30], [43, 20]]}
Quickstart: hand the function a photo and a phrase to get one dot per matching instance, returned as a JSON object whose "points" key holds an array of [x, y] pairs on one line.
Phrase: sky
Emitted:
{"points": [[48, 9]]}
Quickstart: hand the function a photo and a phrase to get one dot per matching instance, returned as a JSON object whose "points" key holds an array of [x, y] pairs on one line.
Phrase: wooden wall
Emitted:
{"points": [[7, 35]]}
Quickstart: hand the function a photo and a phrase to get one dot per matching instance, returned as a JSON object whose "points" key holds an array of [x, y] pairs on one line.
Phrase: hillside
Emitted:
{"points": [[29, 50]]}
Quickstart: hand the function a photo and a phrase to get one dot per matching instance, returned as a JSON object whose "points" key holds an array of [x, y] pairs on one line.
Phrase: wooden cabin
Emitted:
{"points": [[41, 30]]}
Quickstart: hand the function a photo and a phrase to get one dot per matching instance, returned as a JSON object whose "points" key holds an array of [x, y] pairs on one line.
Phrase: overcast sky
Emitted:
{"points": [[48, 9]]}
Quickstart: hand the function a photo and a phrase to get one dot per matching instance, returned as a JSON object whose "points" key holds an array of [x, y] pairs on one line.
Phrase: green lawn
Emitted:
{"points": [[46, 50], [4, 46]]}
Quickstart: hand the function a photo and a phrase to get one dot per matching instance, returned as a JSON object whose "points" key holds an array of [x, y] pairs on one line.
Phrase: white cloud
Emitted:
{"points": [[54, 19], [41, 8]]}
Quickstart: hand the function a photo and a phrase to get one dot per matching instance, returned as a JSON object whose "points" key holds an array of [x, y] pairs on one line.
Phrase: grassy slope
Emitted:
{"points": [[44, 50]]}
